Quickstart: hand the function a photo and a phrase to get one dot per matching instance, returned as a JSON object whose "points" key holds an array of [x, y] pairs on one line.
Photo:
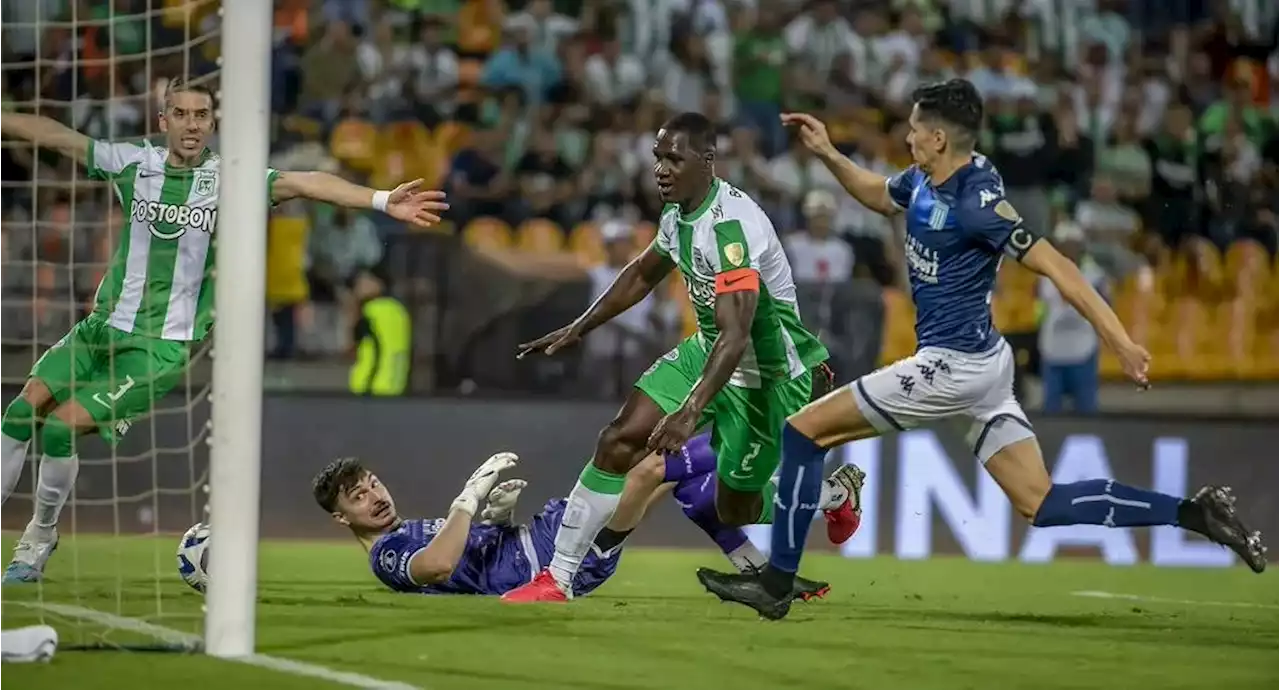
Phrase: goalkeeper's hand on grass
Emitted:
{"points": [[502, 502], [482, 481]]}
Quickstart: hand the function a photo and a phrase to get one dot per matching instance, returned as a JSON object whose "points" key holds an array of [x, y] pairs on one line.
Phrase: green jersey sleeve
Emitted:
{"points": [[106, 160]]}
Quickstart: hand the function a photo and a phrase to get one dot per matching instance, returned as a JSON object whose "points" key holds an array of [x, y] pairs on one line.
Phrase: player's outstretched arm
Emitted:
{"points": [[408, 202], [435, 563], [1044, 259], [636, 280], [869, 188], [47, 133], [735, 311]]}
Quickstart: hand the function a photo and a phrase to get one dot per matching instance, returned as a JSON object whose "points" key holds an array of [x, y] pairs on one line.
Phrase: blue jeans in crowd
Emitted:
{"points": [[1079, 382]]}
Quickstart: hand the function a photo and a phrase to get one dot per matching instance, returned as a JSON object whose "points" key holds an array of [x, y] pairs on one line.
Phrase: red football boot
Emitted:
{"points": [[541, 588], [843, 520]]}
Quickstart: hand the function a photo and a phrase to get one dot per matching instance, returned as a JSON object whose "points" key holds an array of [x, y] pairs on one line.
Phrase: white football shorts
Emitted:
{"points": [[973, 392]]}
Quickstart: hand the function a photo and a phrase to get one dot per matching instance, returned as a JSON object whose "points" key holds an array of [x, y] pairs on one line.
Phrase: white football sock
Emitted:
{"points": [[832, 495], [13, 457], [747, 558], [585, 515], [53, 488]]}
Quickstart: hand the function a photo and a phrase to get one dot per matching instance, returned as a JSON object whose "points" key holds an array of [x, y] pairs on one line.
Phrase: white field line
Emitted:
{"points": [[177, 637], [1162, 600]]}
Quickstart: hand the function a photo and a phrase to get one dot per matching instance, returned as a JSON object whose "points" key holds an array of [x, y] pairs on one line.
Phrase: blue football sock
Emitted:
{"points": [[799, 490], [1105, 502]]}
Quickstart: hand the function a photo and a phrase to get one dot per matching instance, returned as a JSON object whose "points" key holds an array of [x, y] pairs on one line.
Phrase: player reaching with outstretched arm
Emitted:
{"points": [[155, 300], [458, 555], [959, 226], [750, 364]]}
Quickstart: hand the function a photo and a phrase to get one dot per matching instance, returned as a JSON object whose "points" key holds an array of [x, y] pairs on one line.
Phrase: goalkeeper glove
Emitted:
{"points": [[502, 502], [482, 481]]}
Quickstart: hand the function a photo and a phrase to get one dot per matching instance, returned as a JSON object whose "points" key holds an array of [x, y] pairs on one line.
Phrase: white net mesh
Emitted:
{"points": [[98, 68]]}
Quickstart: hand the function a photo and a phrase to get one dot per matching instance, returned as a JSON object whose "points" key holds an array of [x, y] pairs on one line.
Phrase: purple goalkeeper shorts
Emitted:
{"points": [[595, 567]]}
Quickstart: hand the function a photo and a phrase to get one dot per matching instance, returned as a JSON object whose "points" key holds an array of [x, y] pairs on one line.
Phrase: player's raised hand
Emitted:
{"points": [[482, 481], [412, 204], [813, 134], [674, 430], [502, 502], [553, 342], [1134, 362]]}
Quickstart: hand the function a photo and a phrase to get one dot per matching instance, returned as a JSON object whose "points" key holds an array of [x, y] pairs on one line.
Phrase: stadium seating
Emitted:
{"points": [[1211, 315], [585, 242], [539, 236], [487, 233]]}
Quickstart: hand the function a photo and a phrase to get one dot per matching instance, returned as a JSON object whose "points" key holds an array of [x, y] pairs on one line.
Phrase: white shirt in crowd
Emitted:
{"points": [[821, 44], [1065, 336], [610, 339], [612, 83], [818, 260], [544, 34]]}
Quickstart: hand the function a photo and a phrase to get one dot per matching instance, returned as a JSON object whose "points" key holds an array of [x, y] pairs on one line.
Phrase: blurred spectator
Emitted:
{"points": [[613, 77], [436, 73], [691, 76], [1068, 344], [817, 254], [329, 71], [477, 184], [544, 27], [760, 60], [545, 181], [1109, 228], [520, 65], [1173, 211]]}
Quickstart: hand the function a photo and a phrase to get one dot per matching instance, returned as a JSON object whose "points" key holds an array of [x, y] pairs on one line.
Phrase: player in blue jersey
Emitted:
{"points": [[959, 227], [458, 555]]}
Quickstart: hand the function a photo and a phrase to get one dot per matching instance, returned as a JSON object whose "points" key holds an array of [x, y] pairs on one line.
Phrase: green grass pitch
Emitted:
{"points": [[944, 623]]}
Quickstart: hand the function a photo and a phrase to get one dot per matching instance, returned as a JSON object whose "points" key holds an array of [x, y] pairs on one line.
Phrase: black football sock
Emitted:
{"points": [[608, 539]]}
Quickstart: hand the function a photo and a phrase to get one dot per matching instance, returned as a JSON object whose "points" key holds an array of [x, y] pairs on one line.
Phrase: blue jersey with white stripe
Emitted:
{"points": [[957, 233], [492, 562]]}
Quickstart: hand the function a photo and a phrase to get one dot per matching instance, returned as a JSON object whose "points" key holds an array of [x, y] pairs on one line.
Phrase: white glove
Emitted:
{"points": [[481, 481], [502, 502]]}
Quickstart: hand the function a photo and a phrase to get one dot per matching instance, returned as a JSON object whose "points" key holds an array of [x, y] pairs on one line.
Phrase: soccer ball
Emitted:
{"points": [[193, 557]]}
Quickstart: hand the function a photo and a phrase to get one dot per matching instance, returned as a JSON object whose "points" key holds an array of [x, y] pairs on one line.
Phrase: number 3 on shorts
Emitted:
{"points": [[114, 396]]}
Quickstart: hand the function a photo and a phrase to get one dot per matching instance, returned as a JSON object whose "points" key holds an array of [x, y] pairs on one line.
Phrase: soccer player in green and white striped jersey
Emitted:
{"points": [[155, 301]]}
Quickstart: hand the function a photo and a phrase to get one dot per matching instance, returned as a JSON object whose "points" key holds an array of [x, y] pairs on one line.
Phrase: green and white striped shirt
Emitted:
{"points": [[159, 283], [730, 232]]}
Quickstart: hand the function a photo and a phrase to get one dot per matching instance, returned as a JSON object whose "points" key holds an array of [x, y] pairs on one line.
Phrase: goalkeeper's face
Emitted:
{"points": [[366, 505], [187, 122]]}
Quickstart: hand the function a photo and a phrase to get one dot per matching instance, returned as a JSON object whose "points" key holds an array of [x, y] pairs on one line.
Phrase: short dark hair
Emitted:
{"points": [[337, 477], [180, 84], [697, 127], [956, 102]]}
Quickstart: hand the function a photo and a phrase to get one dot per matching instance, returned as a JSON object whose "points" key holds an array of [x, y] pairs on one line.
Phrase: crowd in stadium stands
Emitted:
{"points": [[1140, 134]]}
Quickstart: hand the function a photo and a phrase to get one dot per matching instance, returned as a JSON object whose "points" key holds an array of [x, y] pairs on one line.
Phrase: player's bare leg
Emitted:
{"points": [[594, 499], [1019, 469], [21, 419], [830, 421], [58, 469]]}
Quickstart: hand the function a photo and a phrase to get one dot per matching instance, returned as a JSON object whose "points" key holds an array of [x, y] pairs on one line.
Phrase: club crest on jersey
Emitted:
{"points": [[734, 253], [1005, 210], [206, 183], [171, 221], [938, 216], [387, 559]]}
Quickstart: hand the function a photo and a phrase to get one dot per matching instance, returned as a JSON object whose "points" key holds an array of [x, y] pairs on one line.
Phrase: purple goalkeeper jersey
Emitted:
{"points": [[496, 558], [493, 561]]}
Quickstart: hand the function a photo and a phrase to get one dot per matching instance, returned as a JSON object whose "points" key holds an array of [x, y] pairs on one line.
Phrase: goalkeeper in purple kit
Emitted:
{"points": [[474, 551]]}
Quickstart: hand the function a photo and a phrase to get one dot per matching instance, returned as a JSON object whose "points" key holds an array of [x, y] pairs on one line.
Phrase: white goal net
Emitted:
{"points": [[98, 67]]}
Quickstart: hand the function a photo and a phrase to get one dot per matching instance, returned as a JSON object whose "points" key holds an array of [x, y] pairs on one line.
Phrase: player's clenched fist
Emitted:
{"points": [[482, 481], [502, 502]]}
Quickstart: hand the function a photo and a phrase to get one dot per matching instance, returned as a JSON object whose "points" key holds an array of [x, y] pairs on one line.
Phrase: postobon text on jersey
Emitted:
{"points": [[171, 221]]}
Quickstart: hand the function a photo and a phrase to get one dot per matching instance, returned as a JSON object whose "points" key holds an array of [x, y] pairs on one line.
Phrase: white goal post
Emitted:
{"points": [[235, 463]]}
